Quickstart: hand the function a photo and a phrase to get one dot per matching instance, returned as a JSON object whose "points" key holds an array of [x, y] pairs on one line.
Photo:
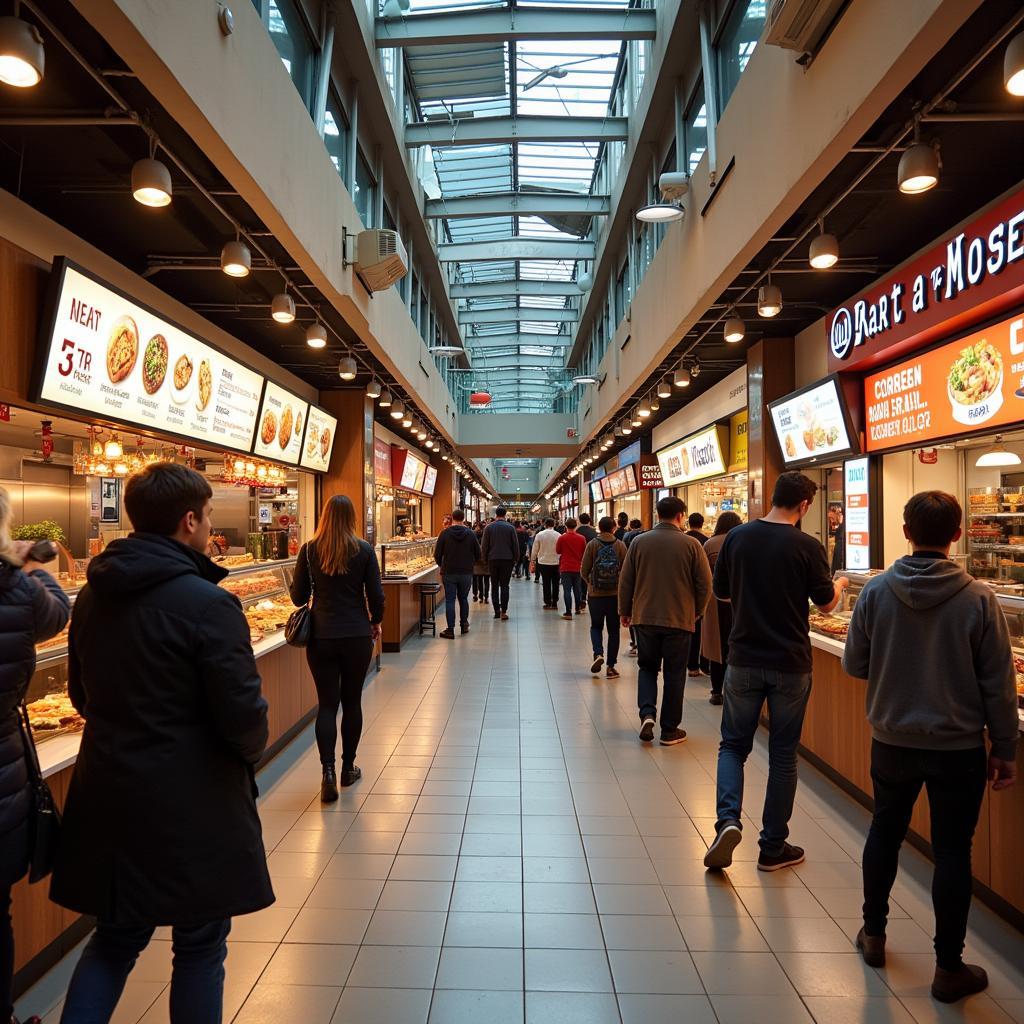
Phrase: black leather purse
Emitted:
{"points": [[298, 630], [44, 818]]}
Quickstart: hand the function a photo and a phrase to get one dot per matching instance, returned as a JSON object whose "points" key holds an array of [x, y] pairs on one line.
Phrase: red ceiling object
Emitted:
{"points": [[480, 398]]}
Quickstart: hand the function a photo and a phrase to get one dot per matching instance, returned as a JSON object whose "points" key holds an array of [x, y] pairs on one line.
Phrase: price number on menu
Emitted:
{"points": [[66, 361]]}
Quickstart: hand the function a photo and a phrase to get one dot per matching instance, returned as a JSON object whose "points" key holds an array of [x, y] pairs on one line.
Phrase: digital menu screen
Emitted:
{"points": [[412, 473], [629, 479], [812, 424], [321, 428], [104, 353], [694, 458], [857, 514], [281, 422], [596, 493], [430, 480]]}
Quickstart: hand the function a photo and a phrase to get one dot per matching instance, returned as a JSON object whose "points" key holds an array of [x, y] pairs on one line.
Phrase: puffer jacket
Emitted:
{"points": [[32, 608]]}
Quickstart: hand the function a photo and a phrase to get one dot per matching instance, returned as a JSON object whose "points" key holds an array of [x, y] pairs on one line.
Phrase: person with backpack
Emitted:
{"points": [[602, 563]]}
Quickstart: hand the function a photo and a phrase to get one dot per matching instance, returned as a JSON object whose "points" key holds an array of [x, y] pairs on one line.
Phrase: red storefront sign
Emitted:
{"points": [[650, 477], [974, 272]]}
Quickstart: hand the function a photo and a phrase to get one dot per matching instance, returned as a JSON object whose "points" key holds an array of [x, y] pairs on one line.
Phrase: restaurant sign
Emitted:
{"points": [[650, 476], [975, 272], [695, 458]]}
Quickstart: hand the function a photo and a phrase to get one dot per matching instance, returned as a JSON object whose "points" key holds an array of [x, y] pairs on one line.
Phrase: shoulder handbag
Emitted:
{"points": [[44, 818], [298, 630]]}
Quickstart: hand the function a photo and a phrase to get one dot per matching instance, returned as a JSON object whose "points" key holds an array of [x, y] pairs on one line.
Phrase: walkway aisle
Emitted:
{"points": [[513, 853]]}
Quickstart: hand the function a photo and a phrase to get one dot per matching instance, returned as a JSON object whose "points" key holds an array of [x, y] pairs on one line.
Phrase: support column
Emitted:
{"points": [[351, 468], [444, 493], [770, 375]]}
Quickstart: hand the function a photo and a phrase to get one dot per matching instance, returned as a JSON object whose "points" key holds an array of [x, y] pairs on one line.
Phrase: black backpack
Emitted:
{"points": [[605, 573]]}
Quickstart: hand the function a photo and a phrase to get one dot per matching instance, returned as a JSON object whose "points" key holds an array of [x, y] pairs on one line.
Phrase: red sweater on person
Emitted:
{"points": [[570, 548]]}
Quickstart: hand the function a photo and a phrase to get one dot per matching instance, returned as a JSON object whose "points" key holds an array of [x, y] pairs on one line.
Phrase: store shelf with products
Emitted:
{"points": [[995, 532]]}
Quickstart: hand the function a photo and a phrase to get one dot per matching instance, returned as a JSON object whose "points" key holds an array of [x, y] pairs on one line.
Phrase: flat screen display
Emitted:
{"points": [[321, 428], [694, 458], [430, 480], [412, 471], [103, 353], [813, 424], [596, 491], [281, 424]]}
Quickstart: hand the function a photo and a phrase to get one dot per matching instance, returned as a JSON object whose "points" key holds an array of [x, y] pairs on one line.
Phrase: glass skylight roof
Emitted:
{"points": [[561, 78]]}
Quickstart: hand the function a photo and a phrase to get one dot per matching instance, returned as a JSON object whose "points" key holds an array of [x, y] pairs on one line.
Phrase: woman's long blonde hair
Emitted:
{"points": [[5, 527], [335, 538]]}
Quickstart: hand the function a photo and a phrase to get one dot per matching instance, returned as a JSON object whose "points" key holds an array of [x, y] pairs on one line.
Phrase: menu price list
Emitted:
{"points": [[321, 429], [281, 423]]}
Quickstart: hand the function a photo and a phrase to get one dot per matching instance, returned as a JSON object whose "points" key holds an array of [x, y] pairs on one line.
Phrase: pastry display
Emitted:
{"points": [[54, 712], [234, 561], [154, 364], [252, 586], [830, 625], [269, 615], [122, 349]]}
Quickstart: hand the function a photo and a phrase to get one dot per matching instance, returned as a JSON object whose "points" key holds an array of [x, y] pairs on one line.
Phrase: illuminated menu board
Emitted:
{"points": [[281, 423], [857, 514], [430, 480], [321, 428], [812, 424], [412, 473], [105, 354]]}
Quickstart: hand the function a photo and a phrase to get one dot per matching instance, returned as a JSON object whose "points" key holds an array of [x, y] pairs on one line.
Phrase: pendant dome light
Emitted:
{"points": [[681, 378], [22, 57], [373, 389], [316, 335], [665, 387], [627, 427], [997, 455], [282, 308], [235, 258], [151, 180], [385, 399], [347, 368], [655, 403], [735, 328], [635, 419], [769, 299], [919, 166], [397, 409], [644, 408], [1013, 66], [421, 433], [824, 250], [406, 419], [660, 213]]}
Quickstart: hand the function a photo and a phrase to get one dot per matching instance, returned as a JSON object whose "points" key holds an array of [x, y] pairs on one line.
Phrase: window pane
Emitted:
{"points": [[362, 193], [737, 42], [696, 129], [336, 135], [293, 44]]}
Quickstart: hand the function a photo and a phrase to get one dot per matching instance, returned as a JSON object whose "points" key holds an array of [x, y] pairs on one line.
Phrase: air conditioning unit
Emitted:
{"points": [[380, 258], [800, 24]]}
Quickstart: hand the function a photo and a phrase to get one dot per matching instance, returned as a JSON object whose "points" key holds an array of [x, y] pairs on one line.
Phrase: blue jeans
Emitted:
{"points": [[572, 587], [746, 690], [604, 612], [457, 587], [197, 979], [661, 648]]}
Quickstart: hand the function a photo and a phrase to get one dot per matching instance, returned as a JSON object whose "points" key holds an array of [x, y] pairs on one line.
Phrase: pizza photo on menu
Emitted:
{"points": [[181, 378], [205, 384], [154, 364], [284, 434], [268, 429], [325, 442], [122, 349]]}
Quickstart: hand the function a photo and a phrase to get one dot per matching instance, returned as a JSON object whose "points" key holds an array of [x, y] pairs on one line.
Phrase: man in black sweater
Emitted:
{"points": [[456, 551], [501, 552]]}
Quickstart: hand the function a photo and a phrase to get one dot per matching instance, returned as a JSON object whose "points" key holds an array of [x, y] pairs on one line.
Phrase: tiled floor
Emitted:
{"points": [[513, 854]]}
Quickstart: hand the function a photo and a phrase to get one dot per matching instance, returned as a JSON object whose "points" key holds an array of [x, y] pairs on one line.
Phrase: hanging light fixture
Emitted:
{"points": [[282, 308], [347, 368], [635, 419], [618, 431], [919, 166], [397, 409], [769, 299], [681, 378], [316, 335], [824, 250], [655, 403], [373, 389], [421, 433], [235, 258], [113, 449], [151, 180], [735, 328], [444, 456], [1013, 66], [997, 455], [406, 419], [627, 427], [660, 213], [665, 387], [385, 399], [643, 409], [22, 57]]}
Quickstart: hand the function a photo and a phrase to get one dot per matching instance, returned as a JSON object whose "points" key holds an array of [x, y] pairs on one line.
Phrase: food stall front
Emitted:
{"points": [[935, 356]]}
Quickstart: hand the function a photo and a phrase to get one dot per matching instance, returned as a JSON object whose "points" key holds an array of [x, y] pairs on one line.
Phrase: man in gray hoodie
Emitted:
{"points": [[932, 643]]}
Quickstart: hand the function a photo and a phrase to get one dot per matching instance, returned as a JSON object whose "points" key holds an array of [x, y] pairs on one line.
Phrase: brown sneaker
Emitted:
{"points": [[611, 673], [950, 986], [872, 948]]}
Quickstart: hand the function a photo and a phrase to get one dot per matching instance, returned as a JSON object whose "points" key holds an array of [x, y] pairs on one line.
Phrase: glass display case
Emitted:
{"points": [[995, 533], [401, 561], [262, 587]]}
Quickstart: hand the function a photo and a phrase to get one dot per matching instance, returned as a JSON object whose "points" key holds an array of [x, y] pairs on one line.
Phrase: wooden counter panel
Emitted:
{"points": [[1006, 830], [402, 609]]}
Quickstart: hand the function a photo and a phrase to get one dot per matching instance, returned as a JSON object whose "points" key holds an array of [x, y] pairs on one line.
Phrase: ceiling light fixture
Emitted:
{"points": [[1013, 65], [643, 409], [347, 368], [919, 166], [769, 299], [655, 403], [635, 418], [316, 335], [627, 427], [22, 57], [735, 328], [282, 308], [113, 449], [385, 399], [406, 419], [660, 213], [681, 378], [997, 455], [397, 409], [235, 258], [665, 387], [446, 351], [151, 182], [586, 378], [824, 250], [373, 389]]}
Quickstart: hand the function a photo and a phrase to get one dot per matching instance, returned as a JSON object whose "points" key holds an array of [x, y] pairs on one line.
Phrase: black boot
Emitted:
{"points": [[351, 774], [329, 785]]}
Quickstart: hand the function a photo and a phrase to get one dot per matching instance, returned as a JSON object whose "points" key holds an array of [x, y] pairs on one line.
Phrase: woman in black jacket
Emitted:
{"points": [[32, 608], [341, 573]]}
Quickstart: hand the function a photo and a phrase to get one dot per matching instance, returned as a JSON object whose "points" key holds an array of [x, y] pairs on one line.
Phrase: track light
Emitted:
{"points": [[373, 389], [444, 456], [421, 434], [919, 166], [282, 308], [406, 419], [643, 410], [665, 387], [824, 251], [1013, 66], [769, 300], [735, 329], [618, 431], [22, 57], [695, 369], [385, 399], [397, 409], [235, 258], [151, 182], [316, 335], [635, 419], [681, 378], [627, 427], [347, 368], [655, 403]]}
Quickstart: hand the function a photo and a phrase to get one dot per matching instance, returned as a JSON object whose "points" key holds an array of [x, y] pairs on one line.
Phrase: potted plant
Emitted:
{"points": [[47, 530]]}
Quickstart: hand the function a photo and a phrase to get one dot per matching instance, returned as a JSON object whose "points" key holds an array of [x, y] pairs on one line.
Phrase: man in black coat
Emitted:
{"points": [[501, 552], [456, 552], [160, 825]]}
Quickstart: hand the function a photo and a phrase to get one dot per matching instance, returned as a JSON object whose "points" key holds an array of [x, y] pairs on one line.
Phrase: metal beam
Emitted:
{"points": [[518, 314], [522, 204], [481, 131], [517, 249], [505, 24], [502, 289], [483, 342]]}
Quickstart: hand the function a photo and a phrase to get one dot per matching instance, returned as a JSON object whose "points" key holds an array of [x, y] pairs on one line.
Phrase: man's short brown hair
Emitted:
{"points": [[157, 499], [932, 519]]}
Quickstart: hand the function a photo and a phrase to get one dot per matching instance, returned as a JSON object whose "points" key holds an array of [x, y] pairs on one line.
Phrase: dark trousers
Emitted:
{"points": [[955, 783], [456, 588], [549, 578], [339, 670], [572, 584], [695, 661], [660, 648], [501, 573], [583, 588], [197, 978], [481, 586], [717, 668], [604, 614], [13, 865]]}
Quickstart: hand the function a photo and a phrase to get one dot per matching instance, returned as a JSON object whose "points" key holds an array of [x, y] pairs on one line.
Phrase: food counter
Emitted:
{"points": [[404, 565], [837, 738]]}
